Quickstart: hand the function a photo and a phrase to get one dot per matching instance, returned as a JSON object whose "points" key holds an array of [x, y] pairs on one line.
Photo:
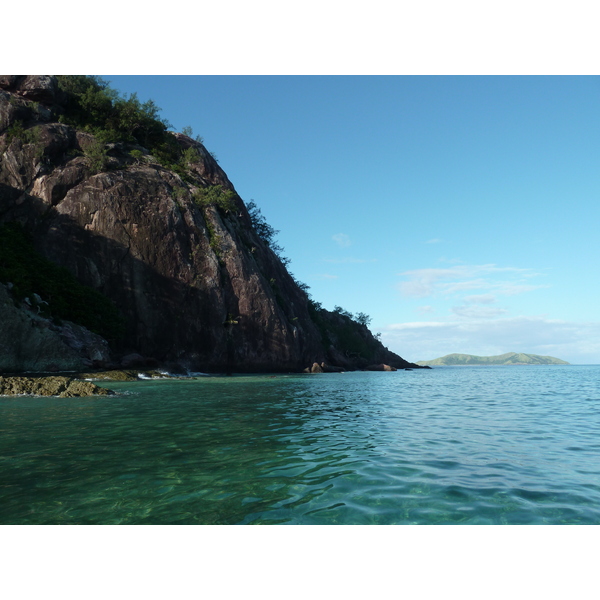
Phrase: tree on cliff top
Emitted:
{"points": [[92, 105], [265, 231]]}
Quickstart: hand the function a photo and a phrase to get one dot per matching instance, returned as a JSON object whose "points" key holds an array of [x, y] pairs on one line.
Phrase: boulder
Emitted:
{"points": [[381, 367], [7, 82], [31, 342], [41, 88], [111, 375]]}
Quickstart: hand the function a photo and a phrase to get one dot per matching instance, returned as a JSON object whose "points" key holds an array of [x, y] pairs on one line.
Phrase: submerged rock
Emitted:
{"points": [[63, 387]]}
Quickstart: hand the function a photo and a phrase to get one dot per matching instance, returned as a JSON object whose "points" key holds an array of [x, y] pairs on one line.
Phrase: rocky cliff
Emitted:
{"points": [[31, 342], [167, 240]]}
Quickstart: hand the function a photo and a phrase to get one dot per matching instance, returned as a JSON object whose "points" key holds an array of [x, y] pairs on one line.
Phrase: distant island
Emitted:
{"points": [[510, 358]]}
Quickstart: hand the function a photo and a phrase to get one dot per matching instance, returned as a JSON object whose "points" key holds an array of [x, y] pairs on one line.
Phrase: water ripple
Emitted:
{"points": [[446, 446]]}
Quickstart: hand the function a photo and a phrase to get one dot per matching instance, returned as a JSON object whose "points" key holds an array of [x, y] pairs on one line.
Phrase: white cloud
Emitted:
{"points": [[327, 276], [342, 240], [480, 299], [462, 286], [424, 310], [478, 312], [415, 288], [421, 283], [434, 241], [576, 342]]}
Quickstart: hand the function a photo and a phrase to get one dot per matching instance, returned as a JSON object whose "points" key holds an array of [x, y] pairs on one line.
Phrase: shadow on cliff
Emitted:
{"points": [[165, 319], [169, 321]]}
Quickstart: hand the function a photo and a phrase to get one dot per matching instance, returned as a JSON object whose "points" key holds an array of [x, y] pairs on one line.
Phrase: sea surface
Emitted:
{"points": [[449, 445]]}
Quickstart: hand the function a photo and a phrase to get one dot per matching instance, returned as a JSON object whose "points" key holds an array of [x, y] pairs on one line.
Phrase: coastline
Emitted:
{"points": [[67, 384]]}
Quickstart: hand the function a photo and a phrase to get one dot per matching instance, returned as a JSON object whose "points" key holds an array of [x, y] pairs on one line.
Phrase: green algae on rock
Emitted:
{"points": [[63, 387]]}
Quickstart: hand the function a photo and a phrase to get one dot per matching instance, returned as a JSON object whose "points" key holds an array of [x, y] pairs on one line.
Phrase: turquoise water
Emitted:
{"points": [[462, 445]]}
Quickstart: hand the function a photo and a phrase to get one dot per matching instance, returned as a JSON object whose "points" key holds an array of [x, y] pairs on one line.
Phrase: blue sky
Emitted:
{"points": [[460, 213]]}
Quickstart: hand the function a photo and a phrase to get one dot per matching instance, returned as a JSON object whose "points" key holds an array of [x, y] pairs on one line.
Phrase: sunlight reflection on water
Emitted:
{"points": [[447, 445]]}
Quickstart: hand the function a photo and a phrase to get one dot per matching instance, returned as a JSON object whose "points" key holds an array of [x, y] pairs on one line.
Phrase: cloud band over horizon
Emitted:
{"points": [[575, 342]]}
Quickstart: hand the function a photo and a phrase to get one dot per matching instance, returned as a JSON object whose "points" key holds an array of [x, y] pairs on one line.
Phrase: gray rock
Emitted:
{"points": [[381, 367], [30, 342], [41, 88]]}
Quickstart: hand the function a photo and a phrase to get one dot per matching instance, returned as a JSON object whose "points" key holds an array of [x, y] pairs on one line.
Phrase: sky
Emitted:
{"points": [[459, 212]]}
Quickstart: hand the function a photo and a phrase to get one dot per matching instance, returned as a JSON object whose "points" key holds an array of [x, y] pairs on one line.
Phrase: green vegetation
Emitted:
{"points": [[178, 193], [215, 195], [340, 311], [342, 332], [265, 232], [187, 130], [363, 319], [93, 106], [96, 157], [510, 358], [27, 136], [67, 298], [17, 130], [350, 341], [222, 199], [190, 156], [214, 241], [136, 154]]}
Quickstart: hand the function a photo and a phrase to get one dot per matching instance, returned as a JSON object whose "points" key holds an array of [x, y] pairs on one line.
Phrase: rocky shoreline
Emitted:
{"points": [[63, 387], [81, 384]]}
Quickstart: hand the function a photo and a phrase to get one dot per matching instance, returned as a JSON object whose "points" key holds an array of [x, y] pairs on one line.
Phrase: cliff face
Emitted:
{"points": [[194, 281], [30, 342]]}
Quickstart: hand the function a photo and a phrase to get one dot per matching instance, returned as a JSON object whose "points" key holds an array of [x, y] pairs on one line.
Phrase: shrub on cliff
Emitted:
{"points": [[90, 104], [96, 157], [265, 231], [215, 195]]}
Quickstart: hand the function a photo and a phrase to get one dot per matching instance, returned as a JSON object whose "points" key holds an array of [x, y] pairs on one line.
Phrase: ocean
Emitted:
{"points": [[448, 445]]}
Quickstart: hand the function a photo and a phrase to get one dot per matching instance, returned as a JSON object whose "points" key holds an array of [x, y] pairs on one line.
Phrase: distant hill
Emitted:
{"points": [[510, 358]]}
